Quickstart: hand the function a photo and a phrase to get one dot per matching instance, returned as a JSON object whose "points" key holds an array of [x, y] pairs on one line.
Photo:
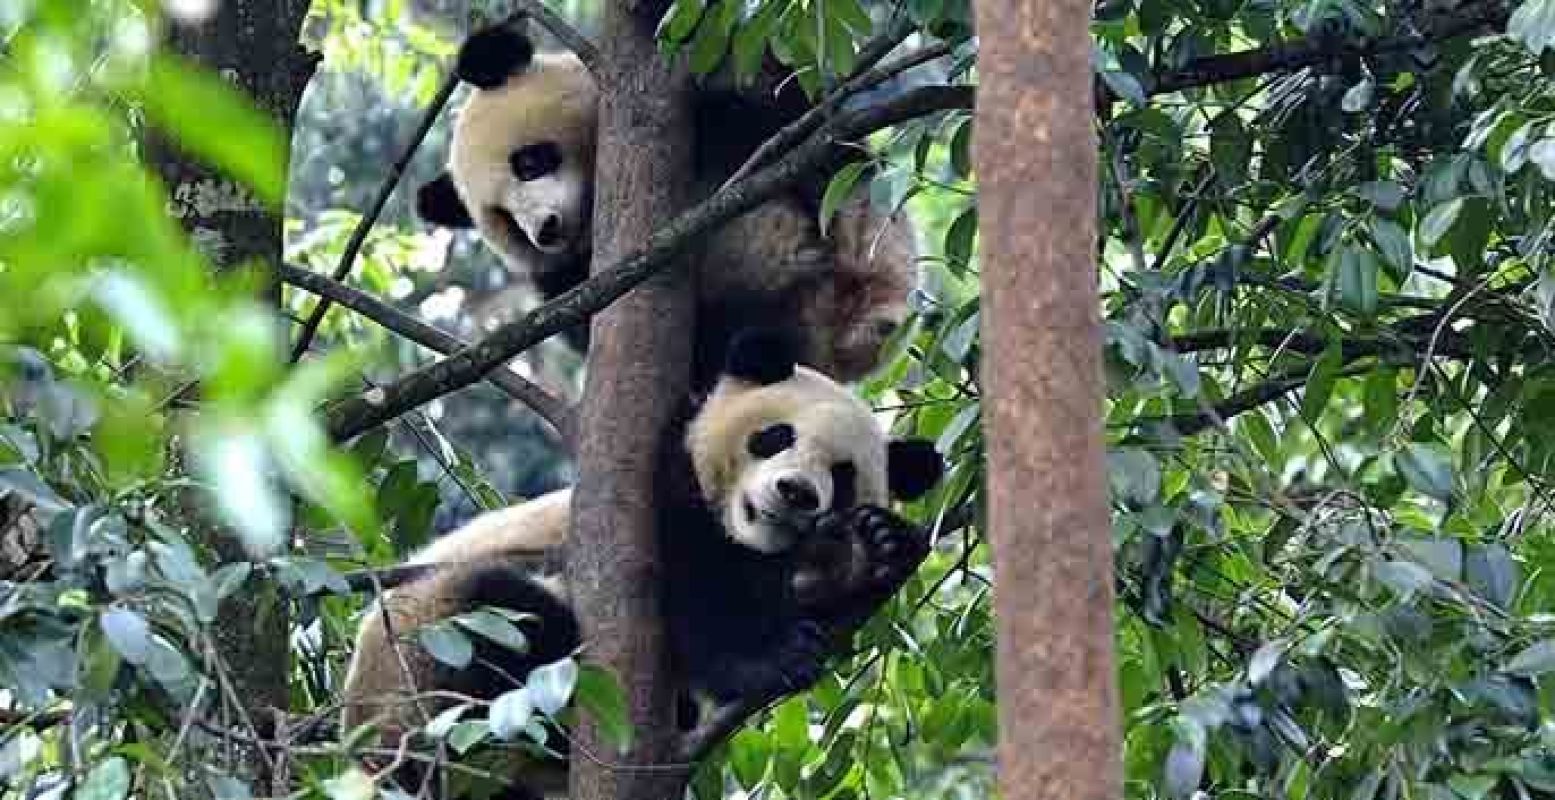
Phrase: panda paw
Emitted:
{"points": [[892, 547]]}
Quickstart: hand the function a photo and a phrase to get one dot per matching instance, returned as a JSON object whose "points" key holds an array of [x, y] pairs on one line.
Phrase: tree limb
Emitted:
{"points": [[351, 417], [1284, 57], [549, 407]]}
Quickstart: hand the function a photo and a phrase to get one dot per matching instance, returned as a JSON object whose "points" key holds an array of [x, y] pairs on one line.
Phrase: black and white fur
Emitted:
{"points": [[774, 534], [521, 170]]}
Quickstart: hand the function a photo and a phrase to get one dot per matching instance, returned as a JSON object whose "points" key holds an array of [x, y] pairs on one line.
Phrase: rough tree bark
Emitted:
{"points": [[254, 45], [1036, 157], [639, 357]]}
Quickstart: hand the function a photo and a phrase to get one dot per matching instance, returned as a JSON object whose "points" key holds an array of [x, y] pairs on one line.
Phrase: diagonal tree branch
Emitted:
{"points": [[551, 408], [350, 417]]}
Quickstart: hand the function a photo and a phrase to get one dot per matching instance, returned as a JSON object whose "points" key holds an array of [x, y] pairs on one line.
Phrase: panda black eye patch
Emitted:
{"points": [[771, 440], [535, 161]]}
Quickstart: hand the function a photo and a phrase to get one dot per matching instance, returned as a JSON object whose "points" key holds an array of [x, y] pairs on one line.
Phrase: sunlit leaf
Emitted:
{"points": [[838, 190], [510, 714], [551, 685], [109, 779]]}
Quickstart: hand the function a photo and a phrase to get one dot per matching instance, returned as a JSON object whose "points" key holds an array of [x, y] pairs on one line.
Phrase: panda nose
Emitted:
{"points": [[798, 494], [550, 232]]}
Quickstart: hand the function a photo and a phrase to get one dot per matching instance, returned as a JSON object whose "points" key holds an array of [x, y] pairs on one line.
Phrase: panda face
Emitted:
{"points": [[772, 458], [522, 161]]}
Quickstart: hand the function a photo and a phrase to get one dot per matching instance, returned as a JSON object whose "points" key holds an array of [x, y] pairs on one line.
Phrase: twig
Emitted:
{"points": [[552, 409], [365, 225], [351, 417]]}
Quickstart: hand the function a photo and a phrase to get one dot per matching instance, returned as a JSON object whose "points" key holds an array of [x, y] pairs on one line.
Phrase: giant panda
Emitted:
{"points": [[520, 171], [774, 535]]}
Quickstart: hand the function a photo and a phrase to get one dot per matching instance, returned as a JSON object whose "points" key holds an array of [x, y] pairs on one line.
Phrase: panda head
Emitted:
{"points": [[521, 161], [776, 444]]}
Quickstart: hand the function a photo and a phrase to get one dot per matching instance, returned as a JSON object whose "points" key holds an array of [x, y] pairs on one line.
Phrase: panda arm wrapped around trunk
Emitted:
{"points": [[521, 172], [774, 539]]}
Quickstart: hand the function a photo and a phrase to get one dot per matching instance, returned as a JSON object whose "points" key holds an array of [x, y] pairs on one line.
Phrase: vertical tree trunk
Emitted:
{"points": [[1036, 163], [253, 44], [639, 357]]}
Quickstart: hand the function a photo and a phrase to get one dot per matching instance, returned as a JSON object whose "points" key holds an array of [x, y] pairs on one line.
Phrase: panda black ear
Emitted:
{"points": [[489, 57], [762, 356], [913, 467], [437, 202]]}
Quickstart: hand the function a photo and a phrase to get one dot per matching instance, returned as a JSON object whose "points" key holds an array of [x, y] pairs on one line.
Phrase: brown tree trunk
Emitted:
{"points": [[1036, 159], [254, 45], [639, 357]]}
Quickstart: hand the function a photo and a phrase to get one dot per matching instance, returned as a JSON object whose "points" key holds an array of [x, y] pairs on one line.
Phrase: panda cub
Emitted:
{"points": [[774, 535], [521, 170]]}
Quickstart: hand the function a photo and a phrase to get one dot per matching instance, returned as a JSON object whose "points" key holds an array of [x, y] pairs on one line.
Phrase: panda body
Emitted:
{"points": [[521, 171], [771, 525]]}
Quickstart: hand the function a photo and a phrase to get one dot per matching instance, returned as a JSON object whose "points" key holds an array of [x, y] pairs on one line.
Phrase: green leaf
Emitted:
{"points": [[1380, 398], [1384, 195], [551, 685], [1533, 24], [838, 190], [1427, 470], [961, 149], [1542, 154], [445, 643], [679, 21], [1537, 659], [960, 237], [24, 482], [1492, 573], [1357, 281], [495, 627], [466, 735], [129, 633], [216, 122], [1393, 242], [108, 780], [510, 714], [444, 722], [1135, 476], [1358, 97], [1405, 578], [1320, 382], [1439, 221], [600, 694], [353, 784]]}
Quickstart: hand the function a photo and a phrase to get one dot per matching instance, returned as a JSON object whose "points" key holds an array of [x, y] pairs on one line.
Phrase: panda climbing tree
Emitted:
{"points": [[730, 527]]}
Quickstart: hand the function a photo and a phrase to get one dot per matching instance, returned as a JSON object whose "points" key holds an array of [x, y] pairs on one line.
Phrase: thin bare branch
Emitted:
{"points": [[555, 411], [364, 226]]}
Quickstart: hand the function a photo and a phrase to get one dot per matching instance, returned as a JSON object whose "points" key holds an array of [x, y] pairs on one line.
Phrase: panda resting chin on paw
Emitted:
{"points": [[774, 539], [521, 173]]}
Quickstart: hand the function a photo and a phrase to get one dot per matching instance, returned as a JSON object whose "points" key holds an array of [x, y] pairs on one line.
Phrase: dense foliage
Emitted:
{"points": [[1325, 272]]}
